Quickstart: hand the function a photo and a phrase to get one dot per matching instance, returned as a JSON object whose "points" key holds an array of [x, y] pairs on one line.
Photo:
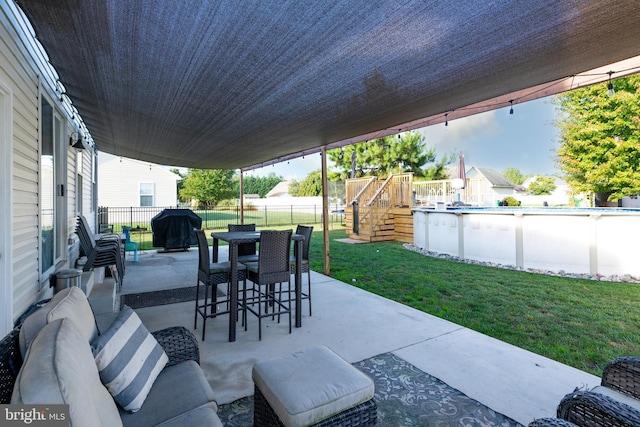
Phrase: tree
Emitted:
{"points": [[260, 185], [439, 170], [294, 187], [207, 186], [600, 135], [311, 185], [382, 156], [542, 185], [514, 176], [179, 183]]}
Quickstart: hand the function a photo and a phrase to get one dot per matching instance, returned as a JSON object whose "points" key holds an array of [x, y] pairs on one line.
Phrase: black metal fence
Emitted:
{"points": [[217, 219]]}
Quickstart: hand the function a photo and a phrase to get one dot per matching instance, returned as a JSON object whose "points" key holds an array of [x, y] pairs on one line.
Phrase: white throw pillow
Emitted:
{"points": [[129, 360]]}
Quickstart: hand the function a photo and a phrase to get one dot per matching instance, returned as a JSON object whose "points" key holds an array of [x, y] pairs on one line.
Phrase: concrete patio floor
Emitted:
{"points": [[357, 325]]}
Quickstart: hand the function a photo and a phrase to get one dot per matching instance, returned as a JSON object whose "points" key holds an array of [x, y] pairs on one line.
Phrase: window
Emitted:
{"points": [[147, 190], [79, 186], [79, 194], [52, 189]]}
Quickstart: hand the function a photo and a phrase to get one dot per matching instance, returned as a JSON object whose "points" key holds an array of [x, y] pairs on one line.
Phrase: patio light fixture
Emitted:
{"points": [[610, 90], [77, 144], [511, 109]]}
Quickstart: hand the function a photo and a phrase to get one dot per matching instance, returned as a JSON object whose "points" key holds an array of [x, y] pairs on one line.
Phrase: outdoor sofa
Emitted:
{"points": [[56, 351]]}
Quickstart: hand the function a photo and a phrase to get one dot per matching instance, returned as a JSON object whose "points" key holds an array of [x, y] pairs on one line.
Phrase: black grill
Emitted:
{"points": [[173, 229]]}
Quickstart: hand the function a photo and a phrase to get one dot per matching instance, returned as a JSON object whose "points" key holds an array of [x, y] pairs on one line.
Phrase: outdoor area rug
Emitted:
{"points": [[405, 395], [162, 297]]}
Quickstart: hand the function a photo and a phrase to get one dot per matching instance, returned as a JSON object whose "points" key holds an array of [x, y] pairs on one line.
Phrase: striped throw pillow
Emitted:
{"points": [[129, 360]]}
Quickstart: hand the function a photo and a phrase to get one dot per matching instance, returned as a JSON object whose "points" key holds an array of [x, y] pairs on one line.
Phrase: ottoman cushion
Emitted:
{"points": [[311, 385]]}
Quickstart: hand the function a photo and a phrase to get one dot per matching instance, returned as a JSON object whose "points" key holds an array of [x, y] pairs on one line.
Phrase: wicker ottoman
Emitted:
{"points": [[314, 387]]}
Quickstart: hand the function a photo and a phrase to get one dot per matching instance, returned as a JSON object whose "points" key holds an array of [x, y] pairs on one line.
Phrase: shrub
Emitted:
{"points": [[509, 201], [227, 204]]}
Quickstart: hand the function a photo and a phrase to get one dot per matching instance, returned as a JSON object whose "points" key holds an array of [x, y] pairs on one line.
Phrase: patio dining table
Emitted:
{"points": [[235, 238]]}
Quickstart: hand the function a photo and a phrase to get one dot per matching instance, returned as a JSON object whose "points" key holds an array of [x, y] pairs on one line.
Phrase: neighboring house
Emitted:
{"points": [[559, 196], [44, 180], [280, 190], [488, 186], [132, 183], [630, 202]]}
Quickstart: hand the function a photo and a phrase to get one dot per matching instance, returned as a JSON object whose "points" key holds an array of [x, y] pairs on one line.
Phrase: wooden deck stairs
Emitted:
{"points": [[380, 210]]}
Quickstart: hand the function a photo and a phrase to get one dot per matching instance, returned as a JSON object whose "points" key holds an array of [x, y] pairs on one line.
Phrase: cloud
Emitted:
{"points": [[498, 140], [297, 169], [461, 134]]}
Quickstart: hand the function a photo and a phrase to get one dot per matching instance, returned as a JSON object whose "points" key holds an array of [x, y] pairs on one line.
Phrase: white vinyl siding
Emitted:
{"points": [[6, 180], [22, 80], [19, 78], [119, 181]]}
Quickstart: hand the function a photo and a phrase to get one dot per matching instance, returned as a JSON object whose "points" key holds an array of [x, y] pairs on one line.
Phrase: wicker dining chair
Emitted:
{"points": [[272, 267], [307, 232], [211, 275], [615, 402], [246, 251]]}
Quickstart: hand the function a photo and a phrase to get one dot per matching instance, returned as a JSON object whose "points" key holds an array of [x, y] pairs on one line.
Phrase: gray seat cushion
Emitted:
{"points": [[200, 417], [178, 389], [71, 303], [59, 369], [311, 385]]}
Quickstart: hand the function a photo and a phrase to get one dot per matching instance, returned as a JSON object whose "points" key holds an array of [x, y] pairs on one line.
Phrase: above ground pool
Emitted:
{"points": [[575, 240]]}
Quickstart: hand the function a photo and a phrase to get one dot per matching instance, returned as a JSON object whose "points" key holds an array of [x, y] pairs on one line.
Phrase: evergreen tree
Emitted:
{"points": [[383, 156], [311, 185], [260, 185]]}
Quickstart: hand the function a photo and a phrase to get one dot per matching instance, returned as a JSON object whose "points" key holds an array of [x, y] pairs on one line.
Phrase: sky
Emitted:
{"points": [[525, 140]]}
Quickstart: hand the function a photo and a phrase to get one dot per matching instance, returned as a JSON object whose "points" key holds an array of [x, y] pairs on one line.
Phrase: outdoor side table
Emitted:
{"points": [[63, 279]]}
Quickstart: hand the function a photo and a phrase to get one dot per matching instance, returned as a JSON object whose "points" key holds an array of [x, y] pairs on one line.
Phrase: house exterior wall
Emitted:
{"points": [[490, 193], [630, 202], [22, 82], [22, 86], [120, 179]]}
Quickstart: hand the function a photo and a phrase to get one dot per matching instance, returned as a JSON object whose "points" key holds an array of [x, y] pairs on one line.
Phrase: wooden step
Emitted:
{"points": [[382, 238], [358, 237]]}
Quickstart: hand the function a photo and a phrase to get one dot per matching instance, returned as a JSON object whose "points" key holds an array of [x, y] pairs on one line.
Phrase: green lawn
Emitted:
{"points": [[581, 323]]}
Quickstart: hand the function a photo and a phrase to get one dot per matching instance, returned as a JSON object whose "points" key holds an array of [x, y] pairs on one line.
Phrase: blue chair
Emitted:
{"points": [[129, 245]]}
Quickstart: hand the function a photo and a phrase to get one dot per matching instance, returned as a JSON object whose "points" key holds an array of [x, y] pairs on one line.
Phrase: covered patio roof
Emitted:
{"points": [[226, 84]]}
